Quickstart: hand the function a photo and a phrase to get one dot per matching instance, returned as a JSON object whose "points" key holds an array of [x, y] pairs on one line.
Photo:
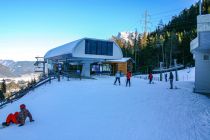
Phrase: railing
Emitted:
{"points": [[72, 75], [145, 77], [21, 93], [75, 75]]}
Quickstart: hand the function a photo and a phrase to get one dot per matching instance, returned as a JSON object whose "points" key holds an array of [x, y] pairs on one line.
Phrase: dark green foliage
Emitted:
{"points": [[2, 90], [33, 82], [3, 86], [1, 95], [168, 42]]}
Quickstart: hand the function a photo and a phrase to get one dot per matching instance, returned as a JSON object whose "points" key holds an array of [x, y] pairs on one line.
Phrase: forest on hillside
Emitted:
{"points": [[167, 42]]}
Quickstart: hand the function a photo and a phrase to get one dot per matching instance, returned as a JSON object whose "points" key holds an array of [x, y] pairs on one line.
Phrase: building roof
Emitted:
{"points": [[76, 50], [124, 59], [62, 50]]}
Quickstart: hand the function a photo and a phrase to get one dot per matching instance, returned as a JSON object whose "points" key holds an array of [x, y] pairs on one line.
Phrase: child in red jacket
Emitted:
{"points": [[18, 117], [150, 78], [128, 81]]}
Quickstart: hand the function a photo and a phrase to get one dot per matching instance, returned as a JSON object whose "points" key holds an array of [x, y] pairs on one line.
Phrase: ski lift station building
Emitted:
{"points": [[200, 47], [83, 53]]}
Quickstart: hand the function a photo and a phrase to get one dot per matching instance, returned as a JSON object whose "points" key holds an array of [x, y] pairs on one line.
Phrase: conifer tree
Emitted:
{"points": [[1, 95], [3, 90], [3, 86]]}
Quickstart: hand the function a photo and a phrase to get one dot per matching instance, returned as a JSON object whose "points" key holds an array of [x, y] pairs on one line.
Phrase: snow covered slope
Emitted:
{"points": [[99, 110]]}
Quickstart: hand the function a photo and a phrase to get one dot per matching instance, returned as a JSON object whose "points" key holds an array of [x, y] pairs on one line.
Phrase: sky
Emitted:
{"points": [[31, 28]]}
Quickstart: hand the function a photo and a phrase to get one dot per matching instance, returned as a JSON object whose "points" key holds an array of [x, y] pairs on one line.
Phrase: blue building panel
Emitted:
{"points": [[97, 47]]}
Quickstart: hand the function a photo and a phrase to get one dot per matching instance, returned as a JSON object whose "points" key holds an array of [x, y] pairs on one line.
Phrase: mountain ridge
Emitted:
{"points": [[11, 68]]}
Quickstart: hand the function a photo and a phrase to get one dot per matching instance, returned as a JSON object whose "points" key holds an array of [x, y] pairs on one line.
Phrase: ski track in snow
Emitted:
{"points": [[99, 110]]}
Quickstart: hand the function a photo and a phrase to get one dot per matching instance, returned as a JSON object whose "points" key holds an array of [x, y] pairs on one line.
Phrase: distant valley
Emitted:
{"points": [[10, 68]]}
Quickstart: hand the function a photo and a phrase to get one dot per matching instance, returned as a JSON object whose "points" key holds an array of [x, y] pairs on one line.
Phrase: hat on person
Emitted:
{"points": [[22, 106]]}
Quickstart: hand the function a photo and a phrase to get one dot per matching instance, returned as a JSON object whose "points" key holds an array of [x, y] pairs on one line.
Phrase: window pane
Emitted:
{"points": [[93, 47], [110, 49], [99, 49], [87, 47], [206, 57], [104, 48]]}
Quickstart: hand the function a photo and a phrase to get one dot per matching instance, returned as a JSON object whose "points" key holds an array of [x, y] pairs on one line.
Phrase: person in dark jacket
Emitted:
{"points": [[166, 77], [23, 114], [128, 80], [171, 78], [150, 78], [18, 117]]}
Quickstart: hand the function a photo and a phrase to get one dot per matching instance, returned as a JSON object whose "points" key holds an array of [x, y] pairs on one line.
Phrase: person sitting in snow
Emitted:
{"points": [[18, 117]]}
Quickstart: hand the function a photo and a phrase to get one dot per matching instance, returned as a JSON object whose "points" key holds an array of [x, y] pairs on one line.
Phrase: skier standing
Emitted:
{"points": [[150, 78], [166, 77], [128, 81], [117, 77], [171, 78]]}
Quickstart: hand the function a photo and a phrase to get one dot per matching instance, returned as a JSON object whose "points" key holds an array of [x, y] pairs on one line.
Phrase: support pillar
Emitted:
{"points": [[86, 70]]}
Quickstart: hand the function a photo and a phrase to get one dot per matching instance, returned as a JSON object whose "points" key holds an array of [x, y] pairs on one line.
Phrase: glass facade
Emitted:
{"points": [[96, 47], [206, 57], [101, 69]]}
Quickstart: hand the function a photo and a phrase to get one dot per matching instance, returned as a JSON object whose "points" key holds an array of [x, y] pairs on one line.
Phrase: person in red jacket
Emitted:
{"points": [[150, 78], [18, 117], [128, 81]]}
